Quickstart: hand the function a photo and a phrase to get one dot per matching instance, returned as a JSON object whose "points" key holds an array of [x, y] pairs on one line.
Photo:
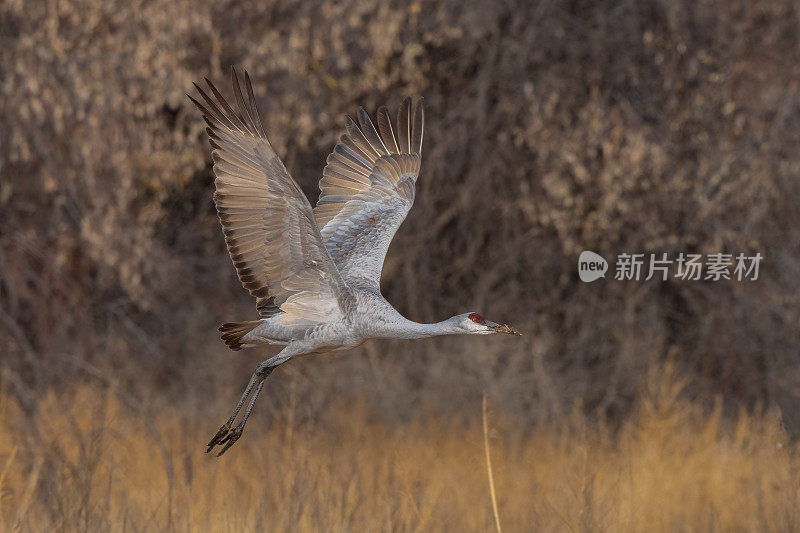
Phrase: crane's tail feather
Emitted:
{"points": [[234, 332]]}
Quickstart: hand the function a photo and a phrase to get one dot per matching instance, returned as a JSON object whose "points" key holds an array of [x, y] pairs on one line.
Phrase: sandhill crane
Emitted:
{"points": [[315, 273]]}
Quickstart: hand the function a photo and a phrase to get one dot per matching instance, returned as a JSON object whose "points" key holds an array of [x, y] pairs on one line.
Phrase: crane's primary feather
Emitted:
{"points": [[269, 226], [367, 188]]}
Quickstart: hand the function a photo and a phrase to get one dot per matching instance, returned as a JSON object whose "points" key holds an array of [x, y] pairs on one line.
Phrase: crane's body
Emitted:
{"points": [[372, 318], [315, 273]]}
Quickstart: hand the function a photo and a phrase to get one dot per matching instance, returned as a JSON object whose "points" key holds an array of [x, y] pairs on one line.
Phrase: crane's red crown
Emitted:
{"points": [[478, 319]]}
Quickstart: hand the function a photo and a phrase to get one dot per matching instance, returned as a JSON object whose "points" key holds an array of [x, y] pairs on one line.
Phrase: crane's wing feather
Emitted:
{"points": [[367, 188], [269, 225]]}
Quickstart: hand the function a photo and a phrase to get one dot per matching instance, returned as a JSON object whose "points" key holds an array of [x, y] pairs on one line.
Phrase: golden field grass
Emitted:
{"points": [[89, 462]]}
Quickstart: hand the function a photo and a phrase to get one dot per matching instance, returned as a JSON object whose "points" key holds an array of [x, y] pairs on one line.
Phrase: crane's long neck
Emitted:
{"points": [[415, 330]]}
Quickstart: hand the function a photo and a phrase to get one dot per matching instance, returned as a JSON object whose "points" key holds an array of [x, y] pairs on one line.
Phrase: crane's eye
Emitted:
{"points": [[478, 319]]}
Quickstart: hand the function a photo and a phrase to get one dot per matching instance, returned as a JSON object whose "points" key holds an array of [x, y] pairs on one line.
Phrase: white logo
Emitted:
{"points": [[591, 266]]}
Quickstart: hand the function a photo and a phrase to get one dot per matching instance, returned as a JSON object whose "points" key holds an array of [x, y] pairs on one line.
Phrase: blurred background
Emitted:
{"points": [[552, 127]]}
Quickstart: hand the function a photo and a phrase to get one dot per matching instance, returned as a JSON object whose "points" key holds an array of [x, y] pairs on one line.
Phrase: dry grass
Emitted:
{"points": [[90, 463]]}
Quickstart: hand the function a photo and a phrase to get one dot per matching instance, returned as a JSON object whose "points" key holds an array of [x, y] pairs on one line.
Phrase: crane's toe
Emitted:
{"points": [[231, 438], [218, 438]]}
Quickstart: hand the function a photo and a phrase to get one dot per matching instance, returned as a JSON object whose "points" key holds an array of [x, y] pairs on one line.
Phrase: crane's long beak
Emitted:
{"points": [[503, 328]]}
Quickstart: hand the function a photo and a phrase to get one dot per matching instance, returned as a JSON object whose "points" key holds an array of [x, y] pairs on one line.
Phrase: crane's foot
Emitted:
{"points": [[226, 436], [217, 439]]}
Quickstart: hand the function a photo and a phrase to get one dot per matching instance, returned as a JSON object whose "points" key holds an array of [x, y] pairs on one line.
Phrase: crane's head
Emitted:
{"points": [[477, 325]]}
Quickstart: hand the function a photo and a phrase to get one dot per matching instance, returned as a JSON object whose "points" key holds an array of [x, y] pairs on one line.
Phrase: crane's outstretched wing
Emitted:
{"points": [[367, 188], [269, 225]]}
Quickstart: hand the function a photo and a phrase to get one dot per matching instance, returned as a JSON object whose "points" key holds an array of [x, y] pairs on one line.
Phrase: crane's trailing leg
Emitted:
{"points": [[227, 426], [232, 436], [258, 377], [228, 436]]}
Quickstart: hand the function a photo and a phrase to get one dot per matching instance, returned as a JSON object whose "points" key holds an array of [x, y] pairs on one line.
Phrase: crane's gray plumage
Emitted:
{"points": [[315, 273], [268, 223], [367, 189]]}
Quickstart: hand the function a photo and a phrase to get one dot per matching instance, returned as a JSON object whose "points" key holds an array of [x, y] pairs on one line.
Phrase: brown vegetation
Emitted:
{"points": [[552, 127], [96, 466]]}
